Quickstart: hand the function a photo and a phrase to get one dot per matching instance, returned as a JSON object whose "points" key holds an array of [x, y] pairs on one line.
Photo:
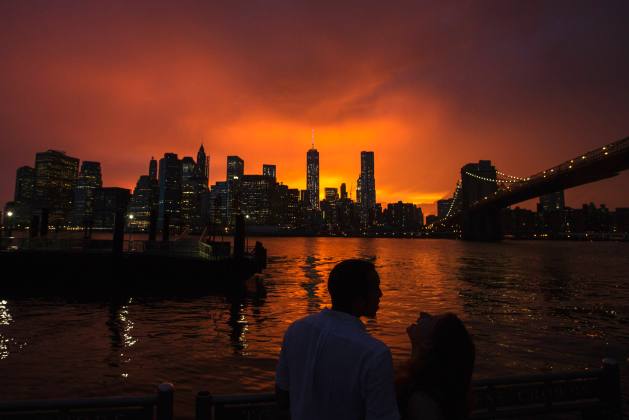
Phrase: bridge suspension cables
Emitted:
{"points": [[451, 210], [501, 179], [455, 196]]}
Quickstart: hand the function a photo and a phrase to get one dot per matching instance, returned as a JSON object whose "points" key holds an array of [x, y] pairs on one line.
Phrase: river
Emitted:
{"points": [[531, 306]]}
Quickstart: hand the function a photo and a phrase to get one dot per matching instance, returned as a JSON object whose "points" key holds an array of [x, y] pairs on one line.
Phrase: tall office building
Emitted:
{"points": [[269, 170], [194, 185], [367, 183], [55, 180], [343, 191], [443, 207], [219, 204], [235, 167], [170, 175], [552, 202], [108, 202], [144, 200], [153, 168], [187, 167], [23, 197], [406, 217], [203, 164], [255, 198], [312, 177], [331, 194], [24, 184], [89, 180]]}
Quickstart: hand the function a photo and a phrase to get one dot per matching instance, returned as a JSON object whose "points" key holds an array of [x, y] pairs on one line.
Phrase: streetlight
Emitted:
{"points": [[9, 224], [130, 231]]}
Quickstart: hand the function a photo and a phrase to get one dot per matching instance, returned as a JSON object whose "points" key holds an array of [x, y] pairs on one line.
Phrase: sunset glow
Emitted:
{"points": [[427, 87]]}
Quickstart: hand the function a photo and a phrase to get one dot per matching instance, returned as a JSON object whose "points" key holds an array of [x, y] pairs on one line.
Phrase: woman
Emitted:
{"points": [[437, 381]]}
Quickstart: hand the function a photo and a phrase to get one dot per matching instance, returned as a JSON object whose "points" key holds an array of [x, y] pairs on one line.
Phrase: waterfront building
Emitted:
{"points": [[107, 202], [203, 165], [331, 194], [170, 179], [254, 198], [144, 201], [443, 207], [153, 168], [89, 180], [367, 194], [219, 204], [343, 191], [431, 218], [21, 206], [55, 179], [551, 202], [269, 170], [312, 177], [621, 219], [235, 168], [403, 217]]}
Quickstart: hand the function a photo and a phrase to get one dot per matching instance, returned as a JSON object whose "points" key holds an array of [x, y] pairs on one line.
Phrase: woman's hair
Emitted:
{"points": [[443, 370]]}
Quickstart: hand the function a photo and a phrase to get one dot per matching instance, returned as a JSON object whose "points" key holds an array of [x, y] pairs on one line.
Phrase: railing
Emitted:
{"points": [[592, 394], [151, 407], [184, 249]]}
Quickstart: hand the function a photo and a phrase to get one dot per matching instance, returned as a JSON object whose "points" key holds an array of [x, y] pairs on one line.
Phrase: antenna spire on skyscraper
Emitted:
{"points": [[313, 138]]}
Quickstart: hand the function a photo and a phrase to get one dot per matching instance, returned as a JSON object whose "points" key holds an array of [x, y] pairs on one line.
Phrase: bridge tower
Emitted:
{"points": [[478, 183]]}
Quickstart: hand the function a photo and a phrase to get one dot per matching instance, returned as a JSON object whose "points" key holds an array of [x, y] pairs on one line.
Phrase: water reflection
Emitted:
{"points": [[5, 319], [120, 332], [239, 326], [313, 278]]}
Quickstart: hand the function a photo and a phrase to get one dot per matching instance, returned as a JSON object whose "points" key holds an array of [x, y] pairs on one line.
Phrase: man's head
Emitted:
{"points": [[354, 286]]}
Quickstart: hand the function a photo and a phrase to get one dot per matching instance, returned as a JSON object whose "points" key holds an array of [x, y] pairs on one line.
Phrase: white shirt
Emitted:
{"points": [[333, 369]]}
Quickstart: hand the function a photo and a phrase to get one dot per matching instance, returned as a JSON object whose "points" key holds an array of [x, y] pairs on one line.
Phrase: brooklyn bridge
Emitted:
{"points": [[483, 190]]}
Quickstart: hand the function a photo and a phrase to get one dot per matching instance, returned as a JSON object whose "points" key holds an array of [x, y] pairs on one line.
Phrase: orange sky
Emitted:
{"points": [[428, 87]]}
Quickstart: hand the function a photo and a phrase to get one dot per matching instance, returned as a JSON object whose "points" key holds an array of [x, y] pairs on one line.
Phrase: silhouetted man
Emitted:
{"points": [[330, 367]]}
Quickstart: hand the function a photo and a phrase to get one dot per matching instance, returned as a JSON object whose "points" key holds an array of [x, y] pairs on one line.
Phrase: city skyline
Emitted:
{"points": [[429, 208], [111, 84]]}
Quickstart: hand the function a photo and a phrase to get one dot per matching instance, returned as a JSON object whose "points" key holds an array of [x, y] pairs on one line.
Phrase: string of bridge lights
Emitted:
{"points": [[454, 197], [502, 181], [512, 176]]}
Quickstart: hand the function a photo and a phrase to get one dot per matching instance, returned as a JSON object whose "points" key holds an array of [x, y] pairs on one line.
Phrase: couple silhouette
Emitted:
{"points": [[330, 367]]}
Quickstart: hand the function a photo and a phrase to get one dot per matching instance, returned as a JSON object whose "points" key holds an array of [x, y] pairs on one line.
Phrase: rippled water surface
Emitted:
{"points": [[531, 306]]}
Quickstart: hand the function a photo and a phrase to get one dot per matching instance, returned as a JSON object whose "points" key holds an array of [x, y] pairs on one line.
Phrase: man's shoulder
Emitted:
{"points": [[304, 322], [375, 345]]}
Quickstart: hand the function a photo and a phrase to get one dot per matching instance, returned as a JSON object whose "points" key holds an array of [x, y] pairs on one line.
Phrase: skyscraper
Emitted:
{"points": [[24, 184], [552, 202], [269, 170], [367, 187], [235, 167], [23, 198], [144, 200], [331, 194], [193, 185], [90, 180], [153, 168], [203, 164], [108, 202], [443, 207], [55, 179], [343, 191], [312, 177], [170, 174]]}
